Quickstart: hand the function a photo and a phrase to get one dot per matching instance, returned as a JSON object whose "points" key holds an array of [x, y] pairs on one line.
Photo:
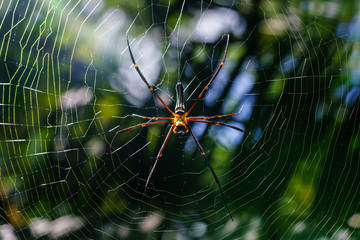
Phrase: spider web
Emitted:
{"points": [[68, 85]]}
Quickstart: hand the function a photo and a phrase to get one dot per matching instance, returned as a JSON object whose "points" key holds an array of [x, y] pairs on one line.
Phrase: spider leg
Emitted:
{"points": [[233, 127], [213, 77], [151, 118], [211, 117], [132, 127], [211, 169], [144, 79], [156, 162]]}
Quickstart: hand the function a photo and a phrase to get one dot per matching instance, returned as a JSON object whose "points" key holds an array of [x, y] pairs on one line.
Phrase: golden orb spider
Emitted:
{"points": [[180, 121]]}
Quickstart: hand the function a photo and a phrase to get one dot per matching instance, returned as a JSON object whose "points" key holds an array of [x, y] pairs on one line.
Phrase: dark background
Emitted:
{"points": [[67, 85]]}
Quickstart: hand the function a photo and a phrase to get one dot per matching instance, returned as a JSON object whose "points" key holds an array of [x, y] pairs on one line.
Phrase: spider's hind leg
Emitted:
{"points": [[151, 118], [155, 164], [211, 169]]}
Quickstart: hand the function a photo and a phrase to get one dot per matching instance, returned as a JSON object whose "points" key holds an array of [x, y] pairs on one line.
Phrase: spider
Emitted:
{"points": [[180, 122]]}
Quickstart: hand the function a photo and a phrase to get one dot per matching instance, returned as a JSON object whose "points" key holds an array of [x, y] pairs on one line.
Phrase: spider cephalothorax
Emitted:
{"points": [[180, 121]]}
